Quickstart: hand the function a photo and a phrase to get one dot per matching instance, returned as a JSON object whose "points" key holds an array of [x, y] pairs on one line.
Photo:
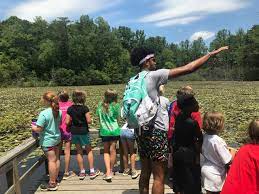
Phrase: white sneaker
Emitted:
{"points": [[134, 174], [126, 172], [107, 177]]}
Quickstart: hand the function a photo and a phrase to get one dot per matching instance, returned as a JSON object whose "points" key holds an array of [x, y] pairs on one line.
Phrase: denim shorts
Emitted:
{"points": [[127, 134]]}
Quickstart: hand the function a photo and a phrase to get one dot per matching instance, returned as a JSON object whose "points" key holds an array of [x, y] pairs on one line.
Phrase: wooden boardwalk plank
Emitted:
{"points": [[120, 184]]}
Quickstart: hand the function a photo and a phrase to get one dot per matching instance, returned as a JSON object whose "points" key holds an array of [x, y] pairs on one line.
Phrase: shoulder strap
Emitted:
{"points": [[143, 73]]}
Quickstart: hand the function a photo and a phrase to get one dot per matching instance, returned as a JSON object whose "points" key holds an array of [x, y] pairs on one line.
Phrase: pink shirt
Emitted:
{"points": [[63, 106]]}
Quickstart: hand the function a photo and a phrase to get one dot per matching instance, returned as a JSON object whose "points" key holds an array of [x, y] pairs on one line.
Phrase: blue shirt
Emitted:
{"points": [[50, 135]]}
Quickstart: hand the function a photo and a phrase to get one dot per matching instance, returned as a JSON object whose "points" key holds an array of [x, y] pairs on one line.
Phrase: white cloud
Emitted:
{"points": [[176, 21], [50, 9], [202, 34], [177, 10]]}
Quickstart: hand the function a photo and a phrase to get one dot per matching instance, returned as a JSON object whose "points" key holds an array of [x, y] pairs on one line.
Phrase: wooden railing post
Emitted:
{"points": [[9, 177], [16, 177]]}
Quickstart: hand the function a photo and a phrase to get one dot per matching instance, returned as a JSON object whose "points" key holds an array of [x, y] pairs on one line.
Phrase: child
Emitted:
{"points": [[108, 112], [127, 140], [48, 127], [216, 154], [174, 111], [77, 118], [66, 135], [186, 135], [244, 171]]}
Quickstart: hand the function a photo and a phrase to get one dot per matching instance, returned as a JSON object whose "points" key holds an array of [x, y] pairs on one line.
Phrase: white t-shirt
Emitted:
{"points": [[216, 154], [164, 104]]}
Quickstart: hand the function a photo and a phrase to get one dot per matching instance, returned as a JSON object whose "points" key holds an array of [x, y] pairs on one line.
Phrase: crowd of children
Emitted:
{"points": [[219, 170], [65, 122]]}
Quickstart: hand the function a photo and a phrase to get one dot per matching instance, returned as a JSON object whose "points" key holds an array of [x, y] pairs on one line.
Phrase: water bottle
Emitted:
{"points": [[34, 134]]}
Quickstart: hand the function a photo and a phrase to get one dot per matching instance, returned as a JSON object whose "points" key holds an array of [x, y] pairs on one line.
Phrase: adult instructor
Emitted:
{"points": [[152, 143]]}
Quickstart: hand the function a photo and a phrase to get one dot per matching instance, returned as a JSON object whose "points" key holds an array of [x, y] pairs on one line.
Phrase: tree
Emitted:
{"points": [[157, 43], [59, 35], [125, 36], [88, 51], [64, 77], [251, 56], [224, 60], [198, 49], [166, 59], [46, 59]]}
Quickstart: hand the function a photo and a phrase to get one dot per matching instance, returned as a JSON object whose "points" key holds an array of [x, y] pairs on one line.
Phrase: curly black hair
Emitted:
{"points": [[139, 53]]}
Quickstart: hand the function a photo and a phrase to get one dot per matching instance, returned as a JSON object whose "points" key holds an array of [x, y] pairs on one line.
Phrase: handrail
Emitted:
{"points": [[9, 162], [18, 151]]}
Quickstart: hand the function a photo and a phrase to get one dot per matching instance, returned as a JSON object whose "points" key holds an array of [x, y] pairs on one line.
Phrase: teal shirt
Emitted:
{"points": [[50, 135], [108, 120]]}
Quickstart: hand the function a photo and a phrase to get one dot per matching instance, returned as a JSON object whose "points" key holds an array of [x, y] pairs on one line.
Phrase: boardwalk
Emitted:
{"points": [[120, 184], [22, 173], [24, 177]]}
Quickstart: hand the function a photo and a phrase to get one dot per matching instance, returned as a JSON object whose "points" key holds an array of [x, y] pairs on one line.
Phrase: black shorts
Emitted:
{"points": [[153, 144], [110, 138]]}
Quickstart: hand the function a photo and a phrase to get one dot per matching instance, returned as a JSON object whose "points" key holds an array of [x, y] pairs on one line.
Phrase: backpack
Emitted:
{"points": [[137, 106]]}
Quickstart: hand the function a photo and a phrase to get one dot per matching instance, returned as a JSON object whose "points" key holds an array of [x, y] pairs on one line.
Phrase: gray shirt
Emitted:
{"points": [[154, 79]]}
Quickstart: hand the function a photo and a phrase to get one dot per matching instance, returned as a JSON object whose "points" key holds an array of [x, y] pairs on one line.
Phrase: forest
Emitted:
{"points": [[91, 52]]}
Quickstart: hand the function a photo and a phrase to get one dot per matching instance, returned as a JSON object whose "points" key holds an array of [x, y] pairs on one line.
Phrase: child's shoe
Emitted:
{"points": [[134, 174], [82, 175], [126, 172], [93, 175], [107, 177], [49, 187], [68, 175]]}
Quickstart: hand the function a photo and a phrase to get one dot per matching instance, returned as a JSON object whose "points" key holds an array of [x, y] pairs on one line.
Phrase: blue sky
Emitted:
{"points": [[175, 19]]}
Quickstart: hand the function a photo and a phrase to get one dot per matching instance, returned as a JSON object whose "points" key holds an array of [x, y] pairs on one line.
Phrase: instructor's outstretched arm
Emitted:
{"points": [[194, 65]]}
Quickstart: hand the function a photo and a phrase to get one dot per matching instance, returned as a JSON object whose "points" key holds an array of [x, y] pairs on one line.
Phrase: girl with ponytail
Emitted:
{"points": [[108, 112], [47, 126]]}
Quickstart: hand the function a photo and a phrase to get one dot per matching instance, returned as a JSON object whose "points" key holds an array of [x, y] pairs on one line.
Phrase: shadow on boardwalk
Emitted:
{"points": [[120, 184]]}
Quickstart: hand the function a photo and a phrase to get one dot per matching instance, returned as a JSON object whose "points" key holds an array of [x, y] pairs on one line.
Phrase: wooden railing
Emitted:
{"points": [[9, 163]]}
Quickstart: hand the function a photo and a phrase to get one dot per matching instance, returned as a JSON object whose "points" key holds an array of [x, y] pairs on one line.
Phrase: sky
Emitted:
{"points": [[176, 20]]}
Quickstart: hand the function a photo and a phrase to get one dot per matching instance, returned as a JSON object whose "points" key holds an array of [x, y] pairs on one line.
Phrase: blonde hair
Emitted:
{"points": [[110, 96], [186, 90], [253, 131], [213, 122], [79, 97], [161, 90], [51, 100]]}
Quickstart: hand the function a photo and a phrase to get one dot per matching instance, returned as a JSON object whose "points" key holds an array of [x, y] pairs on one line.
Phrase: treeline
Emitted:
{"points": [[89, 51]]}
